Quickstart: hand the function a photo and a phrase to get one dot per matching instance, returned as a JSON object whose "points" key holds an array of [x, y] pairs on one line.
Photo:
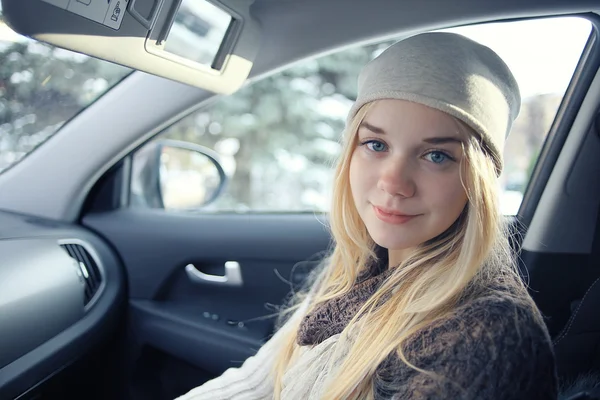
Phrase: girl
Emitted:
{"points": [[420, 297]]}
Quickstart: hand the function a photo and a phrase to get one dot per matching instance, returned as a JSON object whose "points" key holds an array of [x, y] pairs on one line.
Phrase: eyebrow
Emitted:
{"points": [[372, 128], [431, 140]]}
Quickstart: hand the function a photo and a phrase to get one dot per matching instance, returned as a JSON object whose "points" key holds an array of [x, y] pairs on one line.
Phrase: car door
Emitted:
{"points": [[205, 283]]}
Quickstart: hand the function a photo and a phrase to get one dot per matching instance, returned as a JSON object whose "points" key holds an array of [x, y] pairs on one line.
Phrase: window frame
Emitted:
{"points": [[548, 153]]}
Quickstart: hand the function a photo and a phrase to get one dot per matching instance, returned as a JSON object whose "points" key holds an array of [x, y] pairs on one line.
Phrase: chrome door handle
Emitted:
{"points": [[232, 277]]}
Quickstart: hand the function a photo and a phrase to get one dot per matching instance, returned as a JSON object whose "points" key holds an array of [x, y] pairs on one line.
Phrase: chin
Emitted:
{"points": [[392, 243]]}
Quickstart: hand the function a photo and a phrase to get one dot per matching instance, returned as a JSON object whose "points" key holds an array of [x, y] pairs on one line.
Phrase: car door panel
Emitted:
{"points": [[155, 245], [204, 328], [176, 331]]}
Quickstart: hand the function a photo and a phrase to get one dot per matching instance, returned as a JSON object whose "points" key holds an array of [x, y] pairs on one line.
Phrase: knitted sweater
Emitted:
{"points": [[494, 346]]}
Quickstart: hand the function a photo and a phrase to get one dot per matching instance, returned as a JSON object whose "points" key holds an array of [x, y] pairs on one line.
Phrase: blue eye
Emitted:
{"points": [[376, 146], [437, 157]]}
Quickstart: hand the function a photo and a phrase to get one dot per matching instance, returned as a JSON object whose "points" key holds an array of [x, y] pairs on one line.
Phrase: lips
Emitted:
{"points": [[392, 216]]}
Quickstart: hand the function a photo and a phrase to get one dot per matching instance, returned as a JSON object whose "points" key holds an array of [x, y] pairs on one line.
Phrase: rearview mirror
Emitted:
{"points": [[205, 43], [175, 175]]}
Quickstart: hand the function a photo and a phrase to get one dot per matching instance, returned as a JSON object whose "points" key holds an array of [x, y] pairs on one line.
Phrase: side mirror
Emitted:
{"points": [[175, 175]]}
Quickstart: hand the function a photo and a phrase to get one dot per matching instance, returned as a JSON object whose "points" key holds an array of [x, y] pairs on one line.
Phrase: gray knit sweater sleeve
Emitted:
{"points": [[253, 379], [494, 348]]}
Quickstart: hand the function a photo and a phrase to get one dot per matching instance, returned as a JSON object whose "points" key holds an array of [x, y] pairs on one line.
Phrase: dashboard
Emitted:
{"points": [[61, 292]]}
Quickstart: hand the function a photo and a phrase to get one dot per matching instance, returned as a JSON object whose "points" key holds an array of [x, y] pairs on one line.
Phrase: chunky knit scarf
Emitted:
{"points": [[495, 346]]}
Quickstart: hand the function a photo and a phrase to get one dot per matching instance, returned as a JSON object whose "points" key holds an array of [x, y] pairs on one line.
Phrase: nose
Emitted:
{"points": [[396, 178]]}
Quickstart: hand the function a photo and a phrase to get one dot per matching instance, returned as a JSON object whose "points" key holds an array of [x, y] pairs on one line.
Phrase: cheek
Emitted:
{"points": [[448, 194]]}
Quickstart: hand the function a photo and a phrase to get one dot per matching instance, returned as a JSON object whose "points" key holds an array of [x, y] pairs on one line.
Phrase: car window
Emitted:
{"points": [[41, 88], [278, 138]]}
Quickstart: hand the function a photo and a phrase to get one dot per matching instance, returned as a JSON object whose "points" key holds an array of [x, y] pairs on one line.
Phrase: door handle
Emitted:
{"points": [[232, 277]]}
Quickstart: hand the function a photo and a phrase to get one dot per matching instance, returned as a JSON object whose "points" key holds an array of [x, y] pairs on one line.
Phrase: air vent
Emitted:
{"points": [[89, 269]]}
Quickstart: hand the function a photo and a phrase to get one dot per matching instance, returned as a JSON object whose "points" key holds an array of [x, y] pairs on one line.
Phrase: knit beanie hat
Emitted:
{"points": [[450, 73]]}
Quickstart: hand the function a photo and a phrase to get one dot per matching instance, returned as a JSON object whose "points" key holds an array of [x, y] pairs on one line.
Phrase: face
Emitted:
{"points": [[405, 174]]}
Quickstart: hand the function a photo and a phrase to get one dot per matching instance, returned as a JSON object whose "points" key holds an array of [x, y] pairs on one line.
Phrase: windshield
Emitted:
{"points": [[41, 88]]}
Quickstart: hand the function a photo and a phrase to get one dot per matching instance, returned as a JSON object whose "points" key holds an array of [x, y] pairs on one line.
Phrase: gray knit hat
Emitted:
{"points": [[451, 73]]}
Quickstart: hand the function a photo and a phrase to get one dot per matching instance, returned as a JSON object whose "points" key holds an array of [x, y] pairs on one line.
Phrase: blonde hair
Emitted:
{"points": [[425, 287]]}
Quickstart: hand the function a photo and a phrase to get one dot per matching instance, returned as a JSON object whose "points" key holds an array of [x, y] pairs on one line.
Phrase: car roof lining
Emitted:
{"points": [[306, 24]]}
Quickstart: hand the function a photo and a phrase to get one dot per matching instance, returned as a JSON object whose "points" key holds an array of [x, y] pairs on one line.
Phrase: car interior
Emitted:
{"points": [[103, 299]]}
